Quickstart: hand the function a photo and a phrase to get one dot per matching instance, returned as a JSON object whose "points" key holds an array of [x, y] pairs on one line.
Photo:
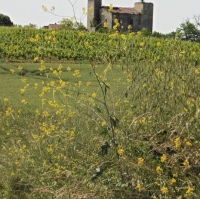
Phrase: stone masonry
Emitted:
{"points": [[137, 17]]}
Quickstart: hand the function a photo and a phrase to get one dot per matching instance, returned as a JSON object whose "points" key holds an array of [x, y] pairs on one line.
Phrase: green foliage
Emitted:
{"points": [[5, 20], [187, 28], [146, 32], [70, 24], [30, 25], [104, 30]]}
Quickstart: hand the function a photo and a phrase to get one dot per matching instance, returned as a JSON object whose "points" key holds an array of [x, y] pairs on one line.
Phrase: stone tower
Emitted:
{"points": [[146, 11], [93, 19]]}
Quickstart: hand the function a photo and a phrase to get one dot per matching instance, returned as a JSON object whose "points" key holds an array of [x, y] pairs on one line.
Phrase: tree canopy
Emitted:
{"points": [[5, 20], [187, 29], [71, 24]]}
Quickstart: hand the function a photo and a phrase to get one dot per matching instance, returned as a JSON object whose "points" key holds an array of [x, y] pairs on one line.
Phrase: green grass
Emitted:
{"points": [[144, 110], [11, 84]]}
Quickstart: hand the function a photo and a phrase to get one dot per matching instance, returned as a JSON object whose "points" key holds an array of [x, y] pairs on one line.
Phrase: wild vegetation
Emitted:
{"points": [[122, 121]]}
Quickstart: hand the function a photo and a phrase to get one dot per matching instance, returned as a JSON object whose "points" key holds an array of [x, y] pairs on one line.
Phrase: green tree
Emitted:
{"points": [[30, 25], [187, 29], [5, 20], [170, 35], [70, 24], [157, 34]]}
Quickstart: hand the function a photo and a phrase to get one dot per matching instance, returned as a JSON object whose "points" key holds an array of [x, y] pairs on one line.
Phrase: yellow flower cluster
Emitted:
{"points": [[110, 7], [140, 161], [105, 24], [120, 151], [117, 24]]}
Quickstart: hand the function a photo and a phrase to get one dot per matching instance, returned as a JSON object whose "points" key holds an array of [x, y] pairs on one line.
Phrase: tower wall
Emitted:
{"points": [[93, 18], [146, 10]]}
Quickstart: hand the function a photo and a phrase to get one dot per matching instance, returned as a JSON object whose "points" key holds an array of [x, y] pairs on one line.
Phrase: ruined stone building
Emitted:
{"points": [[132, 18]]}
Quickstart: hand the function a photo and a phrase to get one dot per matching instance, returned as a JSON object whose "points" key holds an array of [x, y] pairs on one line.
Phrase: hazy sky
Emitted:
{"points": [[168, 14]]}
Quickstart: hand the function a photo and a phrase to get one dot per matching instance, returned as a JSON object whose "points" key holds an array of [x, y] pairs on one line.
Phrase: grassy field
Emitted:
{"points": [[52, 142], [123, 124], [12, 83]]}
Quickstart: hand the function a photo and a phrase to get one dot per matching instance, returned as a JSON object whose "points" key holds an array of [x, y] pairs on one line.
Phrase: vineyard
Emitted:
{"points": [[76, 45], [95, 115]]}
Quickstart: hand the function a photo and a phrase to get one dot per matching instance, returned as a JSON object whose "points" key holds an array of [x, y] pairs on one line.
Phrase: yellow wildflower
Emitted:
{"points": [[36, 85], [120, 151], [189, 192], [24, 101], [52, 83], [50, 149], [105, 24], [196, 71], [16, 162], [171, 84], [22, 90], [24, 80], [123, 36], [55, 72], [89, 83], [91, 9], [68, 68], [35, 59], [139, 187], [142, 44], [129, 27], [94, 95], [5, 99], [140, 161], [193, 53], [186, 163], [103, 123], [173, 180], [158, 43], [12, 71], [9, 111], [20, 68], [159, 169], [177, 142], [45, 114], [188, 143], [164, 190], [110, 7], [163, 158], [42, 68], [77, 73]]}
